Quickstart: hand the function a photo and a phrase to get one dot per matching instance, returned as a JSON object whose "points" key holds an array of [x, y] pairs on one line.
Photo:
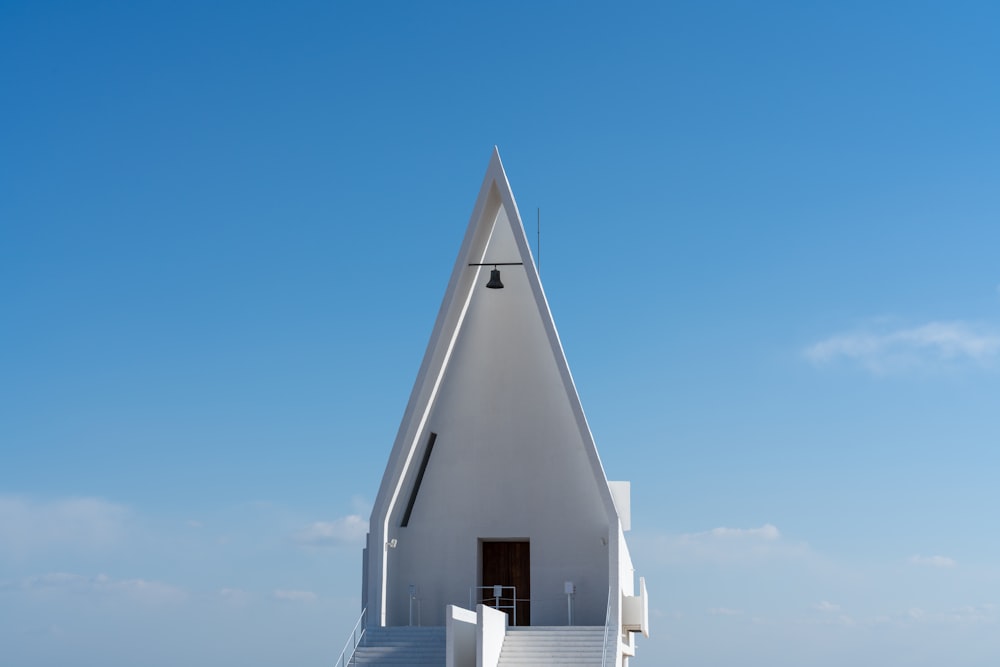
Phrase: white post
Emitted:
{"points": [[570, 589], [413, 590]]}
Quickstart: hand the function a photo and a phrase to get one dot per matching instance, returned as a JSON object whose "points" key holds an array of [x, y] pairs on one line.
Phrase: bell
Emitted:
{"points": [[494, 282]]}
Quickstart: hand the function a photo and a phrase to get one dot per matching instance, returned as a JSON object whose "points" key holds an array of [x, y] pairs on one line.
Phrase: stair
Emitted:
{"points": [[580, 646], [398, 646]]}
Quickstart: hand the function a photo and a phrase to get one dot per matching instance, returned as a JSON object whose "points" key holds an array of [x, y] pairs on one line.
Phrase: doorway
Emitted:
{"points": [[507, 564]]}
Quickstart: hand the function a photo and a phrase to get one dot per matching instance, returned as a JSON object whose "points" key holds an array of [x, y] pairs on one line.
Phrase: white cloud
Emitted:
{"points": [[978, 615], [350, 529], [361, 505], [295, 596], [724, 611], [927, 346], [968, 615], [765, 532], [28, 526], [933, 561], [57, 583], [729, 545]]}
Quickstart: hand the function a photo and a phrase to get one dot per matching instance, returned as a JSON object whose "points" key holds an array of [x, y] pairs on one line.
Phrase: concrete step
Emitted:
{"points": [[399, 646], [581, 646]]}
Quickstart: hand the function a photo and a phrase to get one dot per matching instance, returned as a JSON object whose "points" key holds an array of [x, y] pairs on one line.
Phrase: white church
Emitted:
{"points": [[495, 538]]}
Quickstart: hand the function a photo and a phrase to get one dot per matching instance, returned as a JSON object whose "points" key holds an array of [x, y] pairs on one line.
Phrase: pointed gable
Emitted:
{"points": [[494, 443]]}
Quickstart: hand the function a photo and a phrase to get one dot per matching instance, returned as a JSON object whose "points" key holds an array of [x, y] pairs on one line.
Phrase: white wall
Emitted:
{"points": [[509, 462]]}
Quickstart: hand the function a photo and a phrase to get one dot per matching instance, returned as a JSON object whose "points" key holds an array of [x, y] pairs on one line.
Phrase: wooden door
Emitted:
{"points": [[508, 564]]}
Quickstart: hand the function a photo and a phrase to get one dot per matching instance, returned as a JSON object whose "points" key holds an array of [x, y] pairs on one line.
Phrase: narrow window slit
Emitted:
{"points": [[419, 479]]}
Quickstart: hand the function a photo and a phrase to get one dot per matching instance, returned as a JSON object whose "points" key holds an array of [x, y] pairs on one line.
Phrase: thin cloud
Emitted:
{"points": [[232, 592], [968, 615], [933, 561], [730, 545], [935, 345], [765, 532], [361, 505], [724, 611], [28, 526], [58, 583], [350, 529]]}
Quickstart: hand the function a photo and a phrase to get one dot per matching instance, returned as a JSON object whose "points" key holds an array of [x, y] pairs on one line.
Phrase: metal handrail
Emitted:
{"points": [[496, 600], [607, 630], [353, 641]]}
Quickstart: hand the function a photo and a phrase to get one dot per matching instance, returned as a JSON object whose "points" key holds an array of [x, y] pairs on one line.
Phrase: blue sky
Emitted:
{"points": [[769, 240]]}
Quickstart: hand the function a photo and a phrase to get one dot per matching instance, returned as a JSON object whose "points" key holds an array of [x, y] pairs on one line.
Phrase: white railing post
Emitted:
{"points": [[357, 634], [498, 598], [607, 630]]}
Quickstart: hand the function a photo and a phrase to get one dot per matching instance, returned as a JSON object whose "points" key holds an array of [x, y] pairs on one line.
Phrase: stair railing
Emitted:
{"points": [[357, 634], [496, 594], [607, 633]]}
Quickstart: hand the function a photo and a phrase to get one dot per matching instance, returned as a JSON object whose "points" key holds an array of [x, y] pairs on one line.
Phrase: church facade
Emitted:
{"points": [[494, 495]]}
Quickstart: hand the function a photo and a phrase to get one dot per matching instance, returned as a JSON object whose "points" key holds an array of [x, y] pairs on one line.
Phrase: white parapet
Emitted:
{"points": [[622, 493], [490, 632], [460, 637], [635, 610]]}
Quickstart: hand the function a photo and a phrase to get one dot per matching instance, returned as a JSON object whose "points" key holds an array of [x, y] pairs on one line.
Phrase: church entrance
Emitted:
{"points": [[507, 565]]}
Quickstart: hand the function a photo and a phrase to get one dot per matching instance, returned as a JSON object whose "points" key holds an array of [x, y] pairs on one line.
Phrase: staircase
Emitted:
{"points": [[399, 646], [580, 646]]}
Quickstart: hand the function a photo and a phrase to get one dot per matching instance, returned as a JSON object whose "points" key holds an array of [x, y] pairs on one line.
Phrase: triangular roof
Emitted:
{"points": [[485, 241]]}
